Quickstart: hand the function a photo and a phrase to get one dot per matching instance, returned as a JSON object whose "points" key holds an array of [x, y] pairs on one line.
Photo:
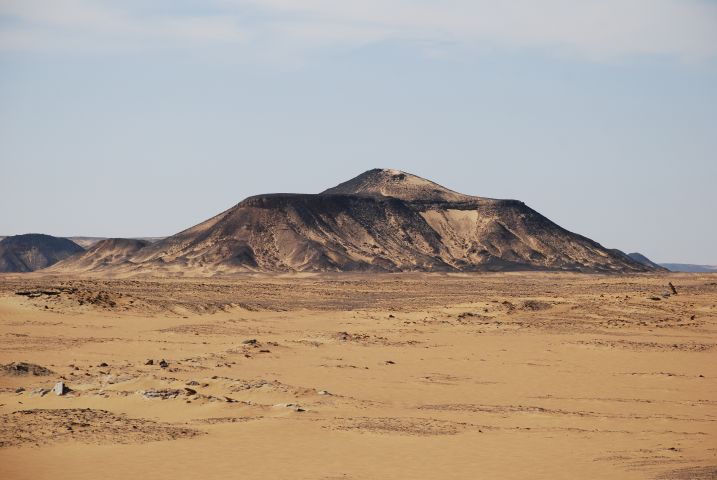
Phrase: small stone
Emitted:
{"points": [[390, 362], [60, 388], [190, 391], [149, 362], [163, 363], [19, 390], [193, 383], [323, 392], [251, 341], [103, 364]]}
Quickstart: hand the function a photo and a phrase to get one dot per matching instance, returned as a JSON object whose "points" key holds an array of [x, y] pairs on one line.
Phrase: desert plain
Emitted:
{"points": [[359, 376]]}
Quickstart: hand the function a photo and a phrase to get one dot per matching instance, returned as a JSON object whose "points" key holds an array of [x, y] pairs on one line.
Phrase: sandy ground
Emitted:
{"points": [[360, 377]]}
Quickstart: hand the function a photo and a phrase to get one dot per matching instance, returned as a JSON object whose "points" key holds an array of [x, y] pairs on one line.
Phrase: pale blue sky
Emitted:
{"points": [[142, 118]]}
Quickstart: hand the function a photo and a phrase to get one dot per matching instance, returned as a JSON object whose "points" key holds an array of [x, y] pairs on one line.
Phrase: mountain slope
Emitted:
{"points": [[382, 220], [102, 255], [33, 251]]}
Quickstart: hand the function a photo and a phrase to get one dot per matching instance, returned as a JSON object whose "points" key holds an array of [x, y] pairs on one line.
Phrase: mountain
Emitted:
{"points": [[638, 257], [688, 267], [33, 251], [382, 220]]}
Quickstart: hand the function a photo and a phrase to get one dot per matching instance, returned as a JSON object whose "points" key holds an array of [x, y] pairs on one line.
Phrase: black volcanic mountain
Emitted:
{"points": [[33, 251], [382, 220]]}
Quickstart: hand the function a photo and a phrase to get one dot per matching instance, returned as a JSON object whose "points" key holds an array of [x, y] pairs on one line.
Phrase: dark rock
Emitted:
{"points": [[149, 362], [163, 363], [24, 368]]}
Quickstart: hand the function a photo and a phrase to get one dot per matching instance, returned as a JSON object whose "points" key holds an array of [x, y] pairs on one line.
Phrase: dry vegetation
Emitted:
{"points": [[530, 375]]}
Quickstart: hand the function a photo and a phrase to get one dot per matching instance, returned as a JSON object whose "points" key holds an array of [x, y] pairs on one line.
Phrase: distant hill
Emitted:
{"points": [[33, 251], [686, 267], [638, 257], [383, 220]]}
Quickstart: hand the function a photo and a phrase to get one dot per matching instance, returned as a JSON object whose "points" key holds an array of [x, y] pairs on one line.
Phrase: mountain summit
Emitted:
{"points": [[395, 183], [382, 220]]}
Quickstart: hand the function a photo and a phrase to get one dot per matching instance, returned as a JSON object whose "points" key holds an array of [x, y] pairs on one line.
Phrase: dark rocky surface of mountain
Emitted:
{"points": [[33, 251]]}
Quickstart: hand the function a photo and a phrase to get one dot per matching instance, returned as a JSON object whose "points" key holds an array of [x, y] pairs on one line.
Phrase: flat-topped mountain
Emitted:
{"points": [[33, 251], [382, 220]]}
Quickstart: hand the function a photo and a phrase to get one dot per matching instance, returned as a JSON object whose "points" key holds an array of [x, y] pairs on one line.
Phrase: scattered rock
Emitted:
{"points": [[40, 391], [323, 392], [163, 363], [19, 390], [251, 341], [190, 391], [103, 364], [192, 383], [535, 305], [163, 394], [291, 406], [672, 287], [149, 362]]}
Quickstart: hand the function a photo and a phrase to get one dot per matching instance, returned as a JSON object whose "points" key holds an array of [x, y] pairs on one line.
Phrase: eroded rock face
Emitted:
{"points": [[382, 220]]}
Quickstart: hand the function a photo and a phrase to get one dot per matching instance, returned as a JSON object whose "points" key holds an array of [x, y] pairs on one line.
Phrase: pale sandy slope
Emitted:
{"points": [[398, 376]]}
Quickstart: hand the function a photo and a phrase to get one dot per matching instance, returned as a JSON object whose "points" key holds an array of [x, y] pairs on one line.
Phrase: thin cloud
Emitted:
{"points": [[592, 29]]}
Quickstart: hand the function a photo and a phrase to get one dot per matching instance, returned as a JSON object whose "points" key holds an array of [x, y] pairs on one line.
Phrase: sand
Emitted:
{"points": [[525, 375]]}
